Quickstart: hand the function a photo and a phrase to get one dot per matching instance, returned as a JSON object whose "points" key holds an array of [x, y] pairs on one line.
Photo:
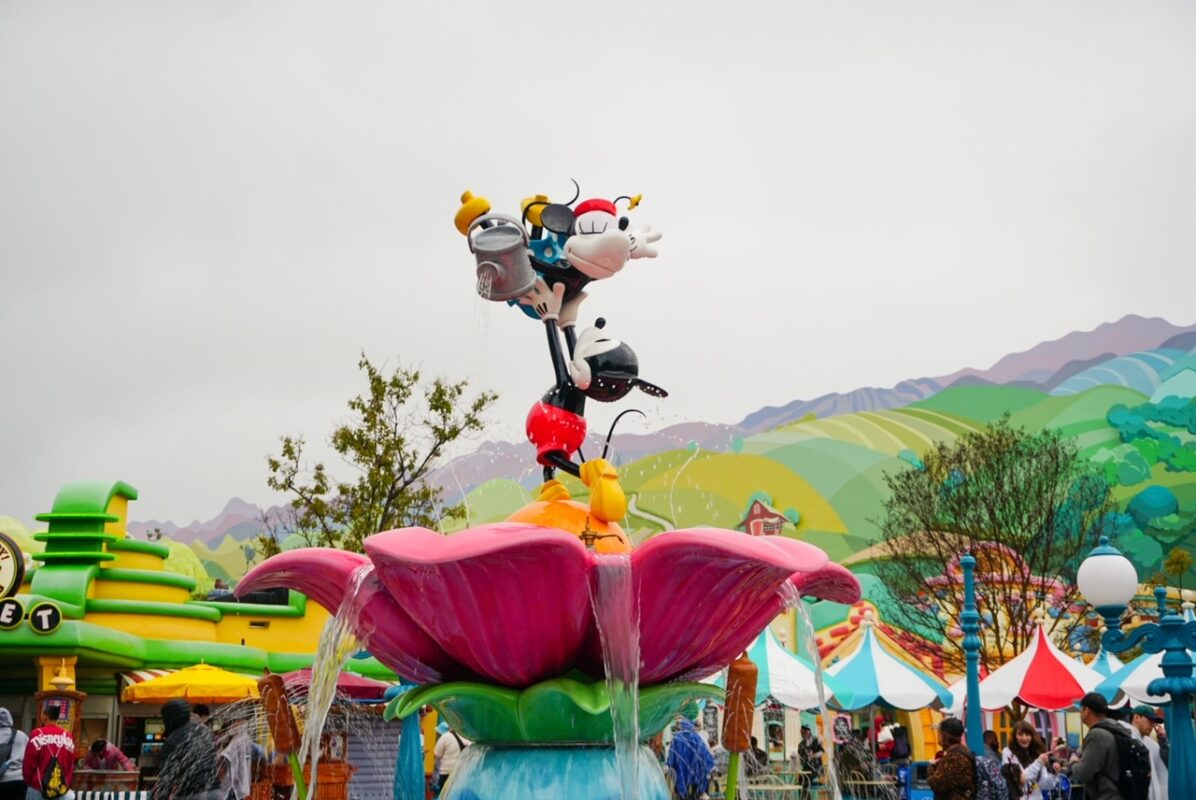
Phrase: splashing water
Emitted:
{"points": [[464, 497], [808, 641], [673, 487], [337, 644], [612, 595]]}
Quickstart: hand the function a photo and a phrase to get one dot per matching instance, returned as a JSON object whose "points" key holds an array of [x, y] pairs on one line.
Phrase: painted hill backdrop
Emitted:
{"points": [[816, 466]]}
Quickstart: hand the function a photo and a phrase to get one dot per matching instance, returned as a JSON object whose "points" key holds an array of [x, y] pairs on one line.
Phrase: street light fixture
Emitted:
{"points": [[1109, 581], [969, 623]]}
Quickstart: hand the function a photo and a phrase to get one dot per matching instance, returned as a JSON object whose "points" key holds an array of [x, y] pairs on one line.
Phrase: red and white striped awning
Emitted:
{"points": [[128, 679]]}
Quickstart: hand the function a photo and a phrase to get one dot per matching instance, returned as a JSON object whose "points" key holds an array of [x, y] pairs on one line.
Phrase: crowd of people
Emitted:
{"points": [[1124, 756], [41, 765]]}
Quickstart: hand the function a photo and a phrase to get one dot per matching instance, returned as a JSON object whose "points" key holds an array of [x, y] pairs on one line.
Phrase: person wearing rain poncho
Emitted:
{"points": [[690, 761], [188, 766], [236, 762]]}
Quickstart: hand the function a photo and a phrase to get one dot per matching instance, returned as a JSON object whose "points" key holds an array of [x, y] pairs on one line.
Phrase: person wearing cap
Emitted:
{"points": [[1144, 721], [1097, 767], [953, 776], [448, 750]]}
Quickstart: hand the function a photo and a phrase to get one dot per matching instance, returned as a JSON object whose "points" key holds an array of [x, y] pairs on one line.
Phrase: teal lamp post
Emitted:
{"points": [[969, 622], [1109, 582]]}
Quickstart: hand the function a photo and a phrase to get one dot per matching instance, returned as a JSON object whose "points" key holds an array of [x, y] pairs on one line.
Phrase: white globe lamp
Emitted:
{"points": [[1107, 579]]}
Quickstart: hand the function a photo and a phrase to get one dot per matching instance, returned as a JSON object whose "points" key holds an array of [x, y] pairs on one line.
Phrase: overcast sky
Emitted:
{"points": [[208, 209]]}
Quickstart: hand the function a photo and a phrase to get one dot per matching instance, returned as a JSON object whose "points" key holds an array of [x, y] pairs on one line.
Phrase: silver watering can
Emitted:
{"points": [[504, 269]]}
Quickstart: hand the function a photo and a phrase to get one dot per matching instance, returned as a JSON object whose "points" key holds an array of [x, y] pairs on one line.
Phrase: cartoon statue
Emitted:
{"points": [[567, 245], [545, 273]]}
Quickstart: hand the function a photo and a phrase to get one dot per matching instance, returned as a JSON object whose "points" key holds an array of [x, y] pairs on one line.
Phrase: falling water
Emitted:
{"points": [[337, 644], [464, 498], [808, 641], [612, 596], [694, 450]]}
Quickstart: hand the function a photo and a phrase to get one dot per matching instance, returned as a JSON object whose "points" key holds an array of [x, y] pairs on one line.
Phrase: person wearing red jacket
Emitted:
{"points": [[49, 762], [884, 749]]}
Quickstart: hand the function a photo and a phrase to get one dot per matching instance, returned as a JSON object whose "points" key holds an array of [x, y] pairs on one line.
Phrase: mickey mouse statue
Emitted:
{"points": [[546, 273]]}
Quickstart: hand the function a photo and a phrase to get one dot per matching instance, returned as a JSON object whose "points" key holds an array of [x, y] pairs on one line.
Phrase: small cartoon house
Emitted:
{"points": [[761, 519]]}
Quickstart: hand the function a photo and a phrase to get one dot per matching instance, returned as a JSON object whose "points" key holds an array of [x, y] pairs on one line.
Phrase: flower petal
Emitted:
{"points": [[320, 573], [833, 582], [509, 601], [705, 594], [326, 576]]}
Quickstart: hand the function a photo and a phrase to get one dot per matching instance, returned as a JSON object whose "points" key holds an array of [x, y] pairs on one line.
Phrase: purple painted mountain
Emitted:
{"points": [[239, 519], [1039, 364]]}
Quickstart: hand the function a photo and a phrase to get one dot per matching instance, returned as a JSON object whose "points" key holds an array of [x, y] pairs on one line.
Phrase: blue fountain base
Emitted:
{"points": [[496, 772]]}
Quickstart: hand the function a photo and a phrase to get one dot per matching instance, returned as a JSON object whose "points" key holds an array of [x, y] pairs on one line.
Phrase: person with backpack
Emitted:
{"points": [[49, 762], [1112, 765], [12, 755], [1027, 751], [953, 775]]}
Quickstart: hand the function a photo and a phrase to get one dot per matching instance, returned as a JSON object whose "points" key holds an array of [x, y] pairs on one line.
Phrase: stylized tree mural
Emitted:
{"points": [[1025, 504]]}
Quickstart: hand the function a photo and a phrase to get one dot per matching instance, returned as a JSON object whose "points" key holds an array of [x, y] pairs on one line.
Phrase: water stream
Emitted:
{"points": [[808, 641], [612, 595], [694, 450], [337, 644]]}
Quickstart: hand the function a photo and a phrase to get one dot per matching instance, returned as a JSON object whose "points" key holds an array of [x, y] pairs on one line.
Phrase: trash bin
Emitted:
{"points": [[918, 783]]}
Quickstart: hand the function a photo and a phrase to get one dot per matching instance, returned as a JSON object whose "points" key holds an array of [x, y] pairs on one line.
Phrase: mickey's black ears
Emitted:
{"points": [[649, 388], [557, 218]]}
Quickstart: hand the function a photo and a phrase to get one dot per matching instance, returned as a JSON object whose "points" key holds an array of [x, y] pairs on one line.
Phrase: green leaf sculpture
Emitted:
{"points": [[559, 710]]}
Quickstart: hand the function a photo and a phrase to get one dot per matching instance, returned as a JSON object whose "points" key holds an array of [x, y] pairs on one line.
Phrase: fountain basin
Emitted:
{"points": [[583, 772]]}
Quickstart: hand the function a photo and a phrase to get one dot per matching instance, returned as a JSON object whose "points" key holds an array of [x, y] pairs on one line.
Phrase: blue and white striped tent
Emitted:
{"points": [[1105, 663], [787, 677], [875, 676]]}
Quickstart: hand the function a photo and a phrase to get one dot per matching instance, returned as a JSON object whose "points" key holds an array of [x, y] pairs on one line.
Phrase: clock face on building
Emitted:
{"points": [[12, 567]]}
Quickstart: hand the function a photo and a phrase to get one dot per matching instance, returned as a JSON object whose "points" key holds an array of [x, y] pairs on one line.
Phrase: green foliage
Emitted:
{"points": [[1144, 551], [1024, 503], [1155, 422], [1126, 464], [396, 434]]}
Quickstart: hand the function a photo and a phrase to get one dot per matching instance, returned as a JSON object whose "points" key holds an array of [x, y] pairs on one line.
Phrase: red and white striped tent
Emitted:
{"points": [[1040, 677], [137, 676]]}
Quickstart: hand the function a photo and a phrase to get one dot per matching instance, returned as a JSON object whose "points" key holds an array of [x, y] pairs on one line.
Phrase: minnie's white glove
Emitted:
{"points": [[642, 239], [545, 301]]}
